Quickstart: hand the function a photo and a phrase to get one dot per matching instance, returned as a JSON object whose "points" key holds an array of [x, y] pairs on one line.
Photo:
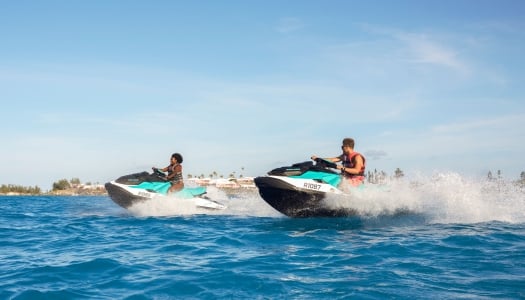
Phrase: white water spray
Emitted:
{"points": [[243, 202], [443, 198]]}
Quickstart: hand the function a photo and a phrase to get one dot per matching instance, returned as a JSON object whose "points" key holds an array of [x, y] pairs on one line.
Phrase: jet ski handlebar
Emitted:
{"points": [[159, 173], [325, 163]]}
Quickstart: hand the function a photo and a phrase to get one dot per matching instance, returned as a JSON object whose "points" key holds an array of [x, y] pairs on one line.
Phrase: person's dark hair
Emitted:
{"points": [[178, 157], [349, 142]]}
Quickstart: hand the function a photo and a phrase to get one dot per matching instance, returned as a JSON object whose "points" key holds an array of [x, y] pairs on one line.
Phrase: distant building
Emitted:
{"points": [[227, 183]]}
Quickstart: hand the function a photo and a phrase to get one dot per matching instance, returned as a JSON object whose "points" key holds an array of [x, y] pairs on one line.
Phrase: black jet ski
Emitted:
{"points": [[138, 187], [299, 190]]}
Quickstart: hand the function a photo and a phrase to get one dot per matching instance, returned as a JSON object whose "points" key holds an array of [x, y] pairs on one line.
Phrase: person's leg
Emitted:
{"points": [[176, 187]]}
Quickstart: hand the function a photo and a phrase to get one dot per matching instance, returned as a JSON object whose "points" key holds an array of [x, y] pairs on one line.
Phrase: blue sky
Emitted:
{"points": [[98, 89]]}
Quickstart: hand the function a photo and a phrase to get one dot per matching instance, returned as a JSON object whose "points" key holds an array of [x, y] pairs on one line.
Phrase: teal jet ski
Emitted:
{"points": [[299, 190], [130, 189]]}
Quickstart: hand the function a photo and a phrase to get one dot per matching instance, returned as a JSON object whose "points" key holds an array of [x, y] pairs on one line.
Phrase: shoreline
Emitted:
{"points": [[103, 192]]}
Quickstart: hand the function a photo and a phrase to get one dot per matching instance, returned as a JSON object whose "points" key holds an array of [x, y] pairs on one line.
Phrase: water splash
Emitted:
{"points": [[241, 203], [442, 198]]}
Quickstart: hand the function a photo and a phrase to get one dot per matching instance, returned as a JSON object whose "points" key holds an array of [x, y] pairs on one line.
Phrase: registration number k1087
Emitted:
{"points": [[312, 186], [144, 194]]}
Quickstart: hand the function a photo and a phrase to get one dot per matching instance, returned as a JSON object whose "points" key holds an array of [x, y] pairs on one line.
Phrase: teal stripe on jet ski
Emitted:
{"points": [[159, 187], [331, 179], [190, 192], [163, 187]]}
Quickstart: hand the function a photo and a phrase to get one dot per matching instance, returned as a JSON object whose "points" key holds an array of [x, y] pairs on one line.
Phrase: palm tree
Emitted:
{"points": [[398, 173]]}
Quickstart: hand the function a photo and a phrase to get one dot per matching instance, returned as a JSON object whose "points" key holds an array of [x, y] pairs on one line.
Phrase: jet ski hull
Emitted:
{"points": [[299, 198], [122, 196], [129, 190]]}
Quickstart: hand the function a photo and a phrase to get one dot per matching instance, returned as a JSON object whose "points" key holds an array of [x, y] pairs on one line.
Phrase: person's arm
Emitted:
{"points": [[162, 170], [332, 159], [356, 169]]}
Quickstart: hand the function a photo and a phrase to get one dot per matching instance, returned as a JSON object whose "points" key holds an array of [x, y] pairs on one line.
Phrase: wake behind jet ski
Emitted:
{"points": [[139, 187], [299, 190]]}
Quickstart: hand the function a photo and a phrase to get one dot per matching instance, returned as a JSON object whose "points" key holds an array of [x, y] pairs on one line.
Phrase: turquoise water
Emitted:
{"points": [[89, 248]]}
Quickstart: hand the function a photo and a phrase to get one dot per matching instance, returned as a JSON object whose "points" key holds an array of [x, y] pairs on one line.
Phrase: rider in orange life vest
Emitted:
{"points": [[174, 173], [353, 163]]}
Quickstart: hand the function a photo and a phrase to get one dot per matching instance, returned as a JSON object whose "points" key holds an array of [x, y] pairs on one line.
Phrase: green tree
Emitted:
{"points": [[11, 188], [61, 185]]}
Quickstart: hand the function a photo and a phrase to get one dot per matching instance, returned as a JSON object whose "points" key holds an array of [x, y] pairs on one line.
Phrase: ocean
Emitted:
{"points": [[447, 238]]}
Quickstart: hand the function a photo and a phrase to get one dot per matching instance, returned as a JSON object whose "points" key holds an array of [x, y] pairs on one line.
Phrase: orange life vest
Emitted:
{"points": [[349, 162]]}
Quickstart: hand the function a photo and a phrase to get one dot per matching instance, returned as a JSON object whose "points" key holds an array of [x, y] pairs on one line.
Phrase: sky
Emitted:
{"points": [[99, 89]]}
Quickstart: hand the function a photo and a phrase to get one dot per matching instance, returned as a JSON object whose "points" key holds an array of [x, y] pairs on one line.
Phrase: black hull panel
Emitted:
{"points": [[294, 202], [122, 197]]}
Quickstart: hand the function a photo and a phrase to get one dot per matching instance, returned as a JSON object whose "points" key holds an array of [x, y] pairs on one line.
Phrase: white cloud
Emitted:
{"points": [[375, 154], [423, 48], [427, 51]]}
